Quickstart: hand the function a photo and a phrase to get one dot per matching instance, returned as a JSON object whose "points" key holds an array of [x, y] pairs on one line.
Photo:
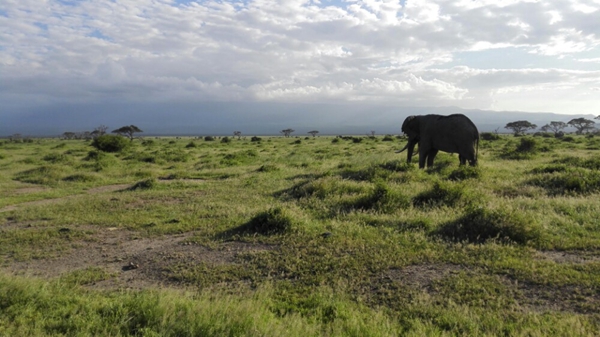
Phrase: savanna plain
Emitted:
{"points": [[299, 236]]}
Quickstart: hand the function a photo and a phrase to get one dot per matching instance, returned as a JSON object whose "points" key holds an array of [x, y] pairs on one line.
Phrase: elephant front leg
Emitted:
{"points": [[431, 156]]}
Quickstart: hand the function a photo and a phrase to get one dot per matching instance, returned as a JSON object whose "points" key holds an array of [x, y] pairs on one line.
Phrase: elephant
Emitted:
{"points": [[453, 134]]}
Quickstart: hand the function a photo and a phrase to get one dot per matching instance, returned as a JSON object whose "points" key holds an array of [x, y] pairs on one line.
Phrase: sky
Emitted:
{"points": [[499, 55]]}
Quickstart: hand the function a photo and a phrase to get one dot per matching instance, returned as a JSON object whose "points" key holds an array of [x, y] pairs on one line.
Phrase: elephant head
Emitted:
{"points": [[410, 127]]}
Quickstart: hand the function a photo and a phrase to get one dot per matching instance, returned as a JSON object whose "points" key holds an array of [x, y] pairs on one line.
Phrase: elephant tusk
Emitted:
{"points": [[399, 151]]}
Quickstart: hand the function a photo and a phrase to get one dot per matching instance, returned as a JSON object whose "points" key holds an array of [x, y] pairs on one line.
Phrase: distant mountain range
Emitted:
{"points": [[223, 118]]}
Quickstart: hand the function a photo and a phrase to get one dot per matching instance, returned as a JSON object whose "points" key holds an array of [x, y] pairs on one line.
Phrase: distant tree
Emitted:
{"points": [[372, 133], [554, 126], [597, 117], [313, 132], [237, 134], [581, 124], [287, 132], [16, 138], [68, 135], [520, 127], [99, 131], [127, 131]]}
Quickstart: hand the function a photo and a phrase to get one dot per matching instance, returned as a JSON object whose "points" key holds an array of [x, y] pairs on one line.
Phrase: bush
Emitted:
{"points": [[388, 138], [274, 221], [478, 225], [489, 136], [209, 138], [191, 144], [55, 158], [255, 139], [144, 185], [45, 175], [571, 181], [442, 194], [268, 168], [382, 198], [81, 177], [568, 139], [110, 143], [526, 149], [397, 166], [225, 140], [356, 140], [335, 140], [465, 172]]}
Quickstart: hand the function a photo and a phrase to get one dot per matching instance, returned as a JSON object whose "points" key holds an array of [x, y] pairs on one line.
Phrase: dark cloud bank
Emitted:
{"points": [[250, 118]]}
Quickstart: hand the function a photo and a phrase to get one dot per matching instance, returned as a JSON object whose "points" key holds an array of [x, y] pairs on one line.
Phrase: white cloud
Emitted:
{"points": [[293, 50]]}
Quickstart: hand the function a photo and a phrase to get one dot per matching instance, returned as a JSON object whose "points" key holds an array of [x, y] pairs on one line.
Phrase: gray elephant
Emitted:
{"points": [[453, 134]]}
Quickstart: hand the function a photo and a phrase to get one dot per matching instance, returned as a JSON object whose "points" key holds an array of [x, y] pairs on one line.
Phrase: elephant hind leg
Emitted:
{"points": [[462, 159]]}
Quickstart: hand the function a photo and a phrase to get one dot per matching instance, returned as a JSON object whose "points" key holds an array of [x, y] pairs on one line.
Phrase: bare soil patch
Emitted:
{"points": [[422, 276], [134, 262], [581, 257]]}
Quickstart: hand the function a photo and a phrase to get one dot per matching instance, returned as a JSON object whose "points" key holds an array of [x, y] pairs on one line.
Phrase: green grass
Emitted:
{"points": [[344, 220]]}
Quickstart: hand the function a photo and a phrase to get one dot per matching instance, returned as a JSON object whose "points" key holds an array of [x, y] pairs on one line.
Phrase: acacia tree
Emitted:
{"points": [[99, 131], [554, 126], [581, 124], [287, 132], [520, 127], [127, 131], [237, 134], [313, 133]]}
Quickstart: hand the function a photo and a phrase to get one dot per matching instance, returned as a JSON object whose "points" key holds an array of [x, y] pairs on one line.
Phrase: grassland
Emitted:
{"points": [[299, 236]]}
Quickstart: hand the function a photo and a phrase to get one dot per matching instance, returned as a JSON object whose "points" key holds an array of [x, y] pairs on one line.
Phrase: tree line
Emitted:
{"points": [[582, 125]]}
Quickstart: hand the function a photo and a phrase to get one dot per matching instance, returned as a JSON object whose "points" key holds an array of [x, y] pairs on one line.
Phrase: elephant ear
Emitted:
{"points": [[409, 124]]}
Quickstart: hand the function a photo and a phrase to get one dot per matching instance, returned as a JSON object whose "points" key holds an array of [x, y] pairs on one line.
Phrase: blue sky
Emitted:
{"points": [[510, 55]]}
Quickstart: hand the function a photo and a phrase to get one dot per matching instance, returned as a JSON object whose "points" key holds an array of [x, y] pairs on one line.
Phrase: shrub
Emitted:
{"points": [[110, 143], [255, 139], [442, 193], [397, 166], [526, 149], [225, 140], [489, 136], [268, 168], [297, 141], [335, 140], [478, 225], [81, 177], [571, 181], [274, 221], [45, 175], [191, 144], [356, 140], [209, 138], [465, 172], [144, 185], [568, 139], [388, 138], [55, 158], [382, 198]]}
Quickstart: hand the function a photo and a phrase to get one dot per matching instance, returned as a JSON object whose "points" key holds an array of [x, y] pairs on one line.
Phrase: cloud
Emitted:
{"points": [[291, 50]]}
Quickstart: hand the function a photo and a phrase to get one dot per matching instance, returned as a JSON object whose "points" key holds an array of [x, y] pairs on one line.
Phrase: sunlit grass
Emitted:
{"points": [[342, 218]]}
